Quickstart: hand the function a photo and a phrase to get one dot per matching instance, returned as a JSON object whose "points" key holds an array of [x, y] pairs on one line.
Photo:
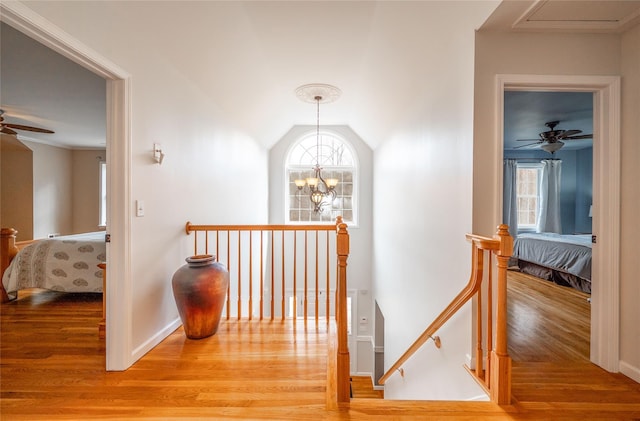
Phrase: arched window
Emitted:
{"points": [[338, 161]]}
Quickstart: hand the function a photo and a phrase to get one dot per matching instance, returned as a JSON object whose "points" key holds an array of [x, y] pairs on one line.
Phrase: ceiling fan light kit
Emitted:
{"points": [[552, 147]]}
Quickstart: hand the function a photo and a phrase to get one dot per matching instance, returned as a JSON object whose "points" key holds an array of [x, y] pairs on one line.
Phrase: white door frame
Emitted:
{"points": [[118, 291], [605, 295]]}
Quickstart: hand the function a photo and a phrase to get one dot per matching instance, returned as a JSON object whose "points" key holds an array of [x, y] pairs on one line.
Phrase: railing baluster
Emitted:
{"points": [[328, 275], [487, 376], [239, 277], [283, 278], [273, 277], [261, 275], [250, 275], [317, 308], [229, 267], [479, 254], [306, 284], [295, 275]]}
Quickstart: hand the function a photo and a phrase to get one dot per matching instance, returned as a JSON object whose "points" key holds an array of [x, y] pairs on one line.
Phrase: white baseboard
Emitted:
{"points": [[362, 374], [630, 371], [147, 346]]}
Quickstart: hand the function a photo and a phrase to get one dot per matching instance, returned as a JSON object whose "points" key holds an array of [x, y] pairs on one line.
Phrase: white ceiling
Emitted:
{"points": [[353, 45], [44, 89]]}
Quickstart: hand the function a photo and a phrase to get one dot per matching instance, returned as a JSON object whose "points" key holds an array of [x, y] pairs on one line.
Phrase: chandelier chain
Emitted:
{"points": [[318, 98]]}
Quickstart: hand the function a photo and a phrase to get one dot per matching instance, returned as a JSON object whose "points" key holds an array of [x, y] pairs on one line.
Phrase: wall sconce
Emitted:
{"points": [[158, 155]]}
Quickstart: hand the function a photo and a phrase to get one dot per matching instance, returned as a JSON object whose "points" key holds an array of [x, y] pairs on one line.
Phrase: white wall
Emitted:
{"points": [[16, 186], [630, 203], [65, 190], [422, 211], [582, 54], [86, 190], [52, 190], [210, 169]]}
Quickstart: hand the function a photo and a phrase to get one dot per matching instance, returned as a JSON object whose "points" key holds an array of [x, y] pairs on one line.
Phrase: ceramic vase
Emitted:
{"points": [[200, 288]]}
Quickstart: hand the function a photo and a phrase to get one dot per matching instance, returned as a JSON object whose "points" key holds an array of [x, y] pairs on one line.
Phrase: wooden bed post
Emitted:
{"points": [[102, 326], [8, 250]]}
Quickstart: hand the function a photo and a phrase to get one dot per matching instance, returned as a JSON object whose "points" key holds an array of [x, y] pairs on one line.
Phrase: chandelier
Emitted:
{"points": [[321, 191]]}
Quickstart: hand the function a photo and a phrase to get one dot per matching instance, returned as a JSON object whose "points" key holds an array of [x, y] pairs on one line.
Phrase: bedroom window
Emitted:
{"points": [[528, 194], [338, 161], [103, 195]]}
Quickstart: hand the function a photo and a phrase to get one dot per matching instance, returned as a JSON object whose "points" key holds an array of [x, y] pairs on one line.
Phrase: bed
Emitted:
{"points": [[65, 264], [72, 264], [563, 259]]}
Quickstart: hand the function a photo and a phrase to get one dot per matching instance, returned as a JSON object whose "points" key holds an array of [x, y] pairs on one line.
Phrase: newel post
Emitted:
{"points": [[500, 361], [343, 368]]}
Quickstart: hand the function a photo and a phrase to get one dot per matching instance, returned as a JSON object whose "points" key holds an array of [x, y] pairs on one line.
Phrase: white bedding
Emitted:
{"points": [[67, 263]]}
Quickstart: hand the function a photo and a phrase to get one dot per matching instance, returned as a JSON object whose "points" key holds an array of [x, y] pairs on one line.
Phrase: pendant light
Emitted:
{"points": [[321, 191]]}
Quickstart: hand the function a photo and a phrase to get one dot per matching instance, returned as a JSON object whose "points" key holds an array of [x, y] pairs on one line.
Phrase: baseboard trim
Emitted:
{"points": [[630, 371], [148, 345]]}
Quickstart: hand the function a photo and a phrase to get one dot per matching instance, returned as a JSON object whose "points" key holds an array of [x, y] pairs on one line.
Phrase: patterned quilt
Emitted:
{"points": [[67, 263]]}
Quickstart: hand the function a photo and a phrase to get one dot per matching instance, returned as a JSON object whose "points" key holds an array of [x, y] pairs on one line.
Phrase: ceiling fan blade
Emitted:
{"points": [[529, 140], [7, 130], [28, 128], [529, 144], [582, 136], [567, 133]]}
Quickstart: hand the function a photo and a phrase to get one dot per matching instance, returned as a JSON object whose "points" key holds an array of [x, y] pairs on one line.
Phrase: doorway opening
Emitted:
{"points": [[119, 354], [606, 196]]}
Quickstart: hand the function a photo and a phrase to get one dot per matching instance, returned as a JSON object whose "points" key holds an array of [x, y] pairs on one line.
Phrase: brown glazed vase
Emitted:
{"points": [[200, 288]]}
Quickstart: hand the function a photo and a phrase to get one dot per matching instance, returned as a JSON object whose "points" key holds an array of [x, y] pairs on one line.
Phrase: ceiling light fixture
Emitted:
{"points": [[552, 147], [321, 191]]}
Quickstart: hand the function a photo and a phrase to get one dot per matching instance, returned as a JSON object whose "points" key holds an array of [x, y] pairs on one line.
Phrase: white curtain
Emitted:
{"points": [[509, 199], [549, 212]]}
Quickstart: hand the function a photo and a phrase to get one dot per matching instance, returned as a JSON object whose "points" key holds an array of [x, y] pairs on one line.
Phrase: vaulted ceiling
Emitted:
{"points": [[354, 45]]}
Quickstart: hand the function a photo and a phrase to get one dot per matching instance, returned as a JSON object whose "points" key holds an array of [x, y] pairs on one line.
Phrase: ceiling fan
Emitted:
{"points": [[552, 139], [8, 128]]}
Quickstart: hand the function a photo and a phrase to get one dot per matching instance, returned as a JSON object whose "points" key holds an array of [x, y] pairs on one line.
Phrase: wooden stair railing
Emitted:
{"points": [[495, 374], [289, 271]]}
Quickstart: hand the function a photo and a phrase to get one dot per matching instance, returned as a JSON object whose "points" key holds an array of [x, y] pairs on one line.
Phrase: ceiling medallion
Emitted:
{"points": [[311, 92]]}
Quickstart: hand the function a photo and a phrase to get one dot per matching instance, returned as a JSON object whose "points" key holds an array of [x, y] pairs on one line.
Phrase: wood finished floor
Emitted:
{"points": [[52, 367]]}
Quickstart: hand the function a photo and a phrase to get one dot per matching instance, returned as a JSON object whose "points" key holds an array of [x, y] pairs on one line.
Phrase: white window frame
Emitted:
{"points": [[529, 165], [326, 168], [102, 189]]}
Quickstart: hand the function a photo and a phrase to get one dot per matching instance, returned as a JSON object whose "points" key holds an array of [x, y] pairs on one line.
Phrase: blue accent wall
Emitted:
{"points": [[577, 185], [584, 191]]}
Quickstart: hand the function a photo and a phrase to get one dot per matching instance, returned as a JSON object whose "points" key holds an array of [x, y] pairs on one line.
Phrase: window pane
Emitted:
{"points": [[527, 195], [102, 217], [337, 162]]}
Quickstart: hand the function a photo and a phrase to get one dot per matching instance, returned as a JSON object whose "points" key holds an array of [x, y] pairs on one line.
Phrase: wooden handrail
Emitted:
{"points": [[189, 227], [501, 245], [461, 299]]}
